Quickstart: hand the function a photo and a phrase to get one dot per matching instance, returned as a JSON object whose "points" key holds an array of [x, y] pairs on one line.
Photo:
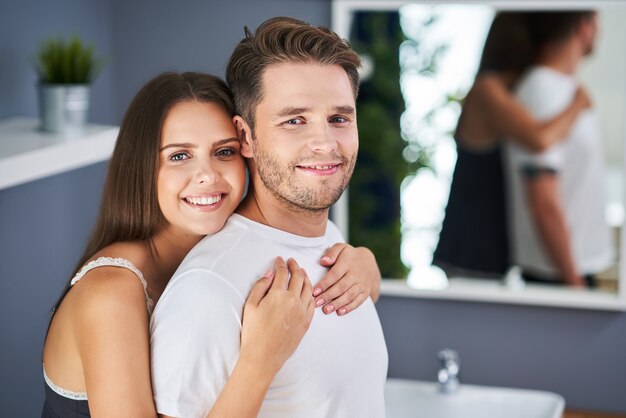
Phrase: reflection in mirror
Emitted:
{"points": [[439, 49]]}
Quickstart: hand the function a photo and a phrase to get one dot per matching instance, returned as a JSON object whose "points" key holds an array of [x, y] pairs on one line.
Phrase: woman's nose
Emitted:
{"points": [[206, 174]]}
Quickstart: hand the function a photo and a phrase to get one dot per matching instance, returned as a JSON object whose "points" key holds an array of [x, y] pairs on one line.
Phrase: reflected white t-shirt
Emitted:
{"points": [[579, 165], [338, 370]]}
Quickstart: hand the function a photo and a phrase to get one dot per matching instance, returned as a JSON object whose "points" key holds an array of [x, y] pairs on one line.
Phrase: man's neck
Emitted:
{"points": [[167, 250], [563, 58], [266, 209]]}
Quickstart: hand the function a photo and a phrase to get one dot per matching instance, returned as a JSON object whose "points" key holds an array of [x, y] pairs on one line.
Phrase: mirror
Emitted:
{"points": [[426, 57]]}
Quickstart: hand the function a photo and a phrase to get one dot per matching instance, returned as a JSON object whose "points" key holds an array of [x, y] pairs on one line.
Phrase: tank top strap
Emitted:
{"points": [[115, 262]]}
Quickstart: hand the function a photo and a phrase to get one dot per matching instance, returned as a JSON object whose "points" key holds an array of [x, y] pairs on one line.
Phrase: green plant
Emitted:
{"points": [[374, 193], [71, 62], [387, 155]]}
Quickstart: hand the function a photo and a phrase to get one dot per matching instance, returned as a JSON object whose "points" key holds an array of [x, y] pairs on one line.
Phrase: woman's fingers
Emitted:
{"points": [[337, 270], [297, 277], [340, 285], [329, 259], [353, 266], [343, 293], [331, 254], [360, 298], [260, 288], [307, 289], [281, 277], [276, 316]]}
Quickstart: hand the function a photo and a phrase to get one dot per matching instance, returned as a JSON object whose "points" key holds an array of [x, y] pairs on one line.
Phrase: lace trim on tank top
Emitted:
{"points": [[115, 262], [99, 262], [77, 396]]}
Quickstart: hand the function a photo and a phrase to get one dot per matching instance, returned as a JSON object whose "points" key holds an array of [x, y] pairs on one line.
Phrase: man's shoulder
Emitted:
{"points": [[545, 92], [202, 265], [546, 81], [333, 234], [211, 248]]}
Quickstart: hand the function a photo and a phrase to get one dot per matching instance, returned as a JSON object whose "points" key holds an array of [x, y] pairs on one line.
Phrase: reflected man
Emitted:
{"points": [[559, 234]]}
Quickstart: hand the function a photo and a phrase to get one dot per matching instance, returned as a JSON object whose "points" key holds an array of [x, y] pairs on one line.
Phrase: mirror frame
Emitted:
{"points": [[478, 290]]}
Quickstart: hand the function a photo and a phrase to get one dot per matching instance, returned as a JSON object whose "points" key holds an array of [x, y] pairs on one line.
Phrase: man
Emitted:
{"points": [[295, 88], [559, 234]]}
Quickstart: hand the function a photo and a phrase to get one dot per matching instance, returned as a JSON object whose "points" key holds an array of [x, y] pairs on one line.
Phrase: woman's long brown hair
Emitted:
{"points": [[129, 210], [508, 46]]}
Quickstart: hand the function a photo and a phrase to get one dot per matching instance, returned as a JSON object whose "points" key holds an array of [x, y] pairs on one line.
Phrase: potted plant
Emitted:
{"points": [[66, 71]]}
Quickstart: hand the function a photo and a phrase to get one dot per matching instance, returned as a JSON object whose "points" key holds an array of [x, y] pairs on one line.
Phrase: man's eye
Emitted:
{"points": [[180, 156], [295, 121], [338, 119]]}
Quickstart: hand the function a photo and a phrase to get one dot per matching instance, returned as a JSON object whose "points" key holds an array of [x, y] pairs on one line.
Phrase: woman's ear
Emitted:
{"points": [[245, 135]]}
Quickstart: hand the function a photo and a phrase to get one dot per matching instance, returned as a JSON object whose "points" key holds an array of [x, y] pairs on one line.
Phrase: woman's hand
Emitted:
{"points": [[352, 278], [276, 316], [582, 98]]}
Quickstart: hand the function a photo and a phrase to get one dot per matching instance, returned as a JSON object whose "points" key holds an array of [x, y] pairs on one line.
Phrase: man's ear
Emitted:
{"points": [[245, 135]]}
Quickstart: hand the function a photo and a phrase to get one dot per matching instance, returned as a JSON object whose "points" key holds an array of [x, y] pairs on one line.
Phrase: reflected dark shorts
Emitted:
{"points": [[590, 280]]}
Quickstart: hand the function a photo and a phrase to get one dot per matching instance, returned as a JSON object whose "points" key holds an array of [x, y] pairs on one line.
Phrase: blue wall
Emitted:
{"points": [[577, 353], [154, 36], [44, 224], [25, 24]]}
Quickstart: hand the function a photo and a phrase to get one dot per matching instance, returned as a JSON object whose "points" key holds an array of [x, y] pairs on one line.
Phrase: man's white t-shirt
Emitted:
{"points": [[578, 163], [338, 370]]}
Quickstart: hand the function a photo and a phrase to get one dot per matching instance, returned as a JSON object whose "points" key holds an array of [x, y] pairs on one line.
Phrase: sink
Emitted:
{"points": [[412, 399]]}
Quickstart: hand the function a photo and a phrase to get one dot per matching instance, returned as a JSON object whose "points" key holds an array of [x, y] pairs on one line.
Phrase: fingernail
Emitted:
{"points": [[319, 302], [325, 259], [329, 308], [317, 291], [268, 273], [342, 311]]}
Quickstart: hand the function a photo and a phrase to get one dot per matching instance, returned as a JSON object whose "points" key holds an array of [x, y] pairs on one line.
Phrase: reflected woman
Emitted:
{"points": [[474, 237]]}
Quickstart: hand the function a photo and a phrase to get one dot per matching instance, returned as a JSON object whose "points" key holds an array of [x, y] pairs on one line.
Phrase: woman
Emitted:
{"points": [[474, 239], [177, 131]]}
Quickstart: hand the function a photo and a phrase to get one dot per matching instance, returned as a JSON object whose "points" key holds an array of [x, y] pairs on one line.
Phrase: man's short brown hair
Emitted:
{"points": [[546, 27], [279, 40]]}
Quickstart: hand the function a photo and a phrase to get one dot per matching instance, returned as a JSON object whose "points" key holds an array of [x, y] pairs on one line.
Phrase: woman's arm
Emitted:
{"points": [[511, 119], [353, 277], [111, 328]]}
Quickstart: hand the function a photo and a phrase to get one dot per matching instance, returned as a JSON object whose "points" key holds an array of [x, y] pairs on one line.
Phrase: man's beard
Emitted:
{"points": [[281, 181]]}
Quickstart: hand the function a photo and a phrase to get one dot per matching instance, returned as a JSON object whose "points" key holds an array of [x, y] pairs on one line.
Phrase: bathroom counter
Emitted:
{"points": [[28, 154]]}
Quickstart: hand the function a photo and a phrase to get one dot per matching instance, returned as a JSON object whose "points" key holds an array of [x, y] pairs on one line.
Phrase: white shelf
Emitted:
{"points": [[28, 154], [491, 291]]}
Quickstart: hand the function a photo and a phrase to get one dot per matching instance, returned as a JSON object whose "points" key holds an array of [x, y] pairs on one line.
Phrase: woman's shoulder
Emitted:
{"points": [[108, 285], [487, 83], [135, 252], [112, 277]]}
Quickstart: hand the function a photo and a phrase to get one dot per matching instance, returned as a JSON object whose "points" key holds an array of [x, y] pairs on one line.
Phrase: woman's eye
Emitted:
{"points": [[226, 152], [180, 156]]}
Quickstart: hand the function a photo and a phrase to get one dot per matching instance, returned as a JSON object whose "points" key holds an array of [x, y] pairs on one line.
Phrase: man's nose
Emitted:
{"points": [[323, 140]]}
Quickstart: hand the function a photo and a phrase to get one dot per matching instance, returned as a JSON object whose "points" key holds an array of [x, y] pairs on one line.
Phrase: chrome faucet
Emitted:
{"points": [[448, 375]]}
